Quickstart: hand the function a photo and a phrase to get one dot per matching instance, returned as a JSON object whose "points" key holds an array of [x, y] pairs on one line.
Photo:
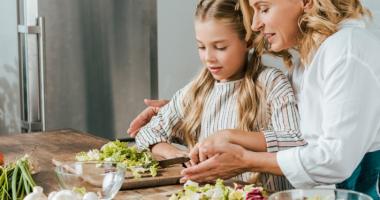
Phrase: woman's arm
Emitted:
{"points": [[345, 121], [228, 160]]}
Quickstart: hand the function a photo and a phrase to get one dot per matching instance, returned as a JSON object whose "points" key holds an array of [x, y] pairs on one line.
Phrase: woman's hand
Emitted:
{"points": [[223, 160], [144, 117]]}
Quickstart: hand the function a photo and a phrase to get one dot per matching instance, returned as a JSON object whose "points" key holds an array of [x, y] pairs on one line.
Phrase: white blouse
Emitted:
{"points": [[339, 107]]}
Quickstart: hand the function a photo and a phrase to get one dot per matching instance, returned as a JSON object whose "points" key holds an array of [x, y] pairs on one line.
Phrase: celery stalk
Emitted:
{"points": [[14, 181]]}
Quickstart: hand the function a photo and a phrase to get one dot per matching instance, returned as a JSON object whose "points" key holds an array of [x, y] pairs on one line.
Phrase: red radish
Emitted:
{"points": [[1, 159]]}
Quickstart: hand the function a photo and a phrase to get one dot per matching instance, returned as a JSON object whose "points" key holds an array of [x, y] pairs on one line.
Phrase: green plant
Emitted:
{"points": [[16, 180]]}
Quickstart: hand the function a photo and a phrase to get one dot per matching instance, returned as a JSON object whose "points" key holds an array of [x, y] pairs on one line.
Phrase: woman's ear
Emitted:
{"points": [[249, 44], [307, 5]]}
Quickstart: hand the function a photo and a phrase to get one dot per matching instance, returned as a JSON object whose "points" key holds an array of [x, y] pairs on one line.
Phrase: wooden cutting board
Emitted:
{"points": [[166, 176]]}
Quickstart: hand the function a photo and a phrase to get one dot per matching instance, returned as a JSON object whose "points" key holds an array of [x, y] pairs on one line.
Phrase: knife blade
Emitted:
{"points": [[171, 161]]}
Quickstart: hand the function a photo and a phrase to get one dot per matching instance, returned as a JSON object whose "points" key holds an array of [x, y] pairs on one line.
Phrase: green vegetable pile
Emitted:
{"points": [[16, 180], [192, 191], [138, 162]]}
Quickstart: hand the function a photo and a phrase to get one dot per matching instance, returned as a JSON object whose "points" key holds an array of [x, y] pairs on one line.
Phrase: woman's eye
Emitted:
{"points": [[201, 48], [264, 10]]}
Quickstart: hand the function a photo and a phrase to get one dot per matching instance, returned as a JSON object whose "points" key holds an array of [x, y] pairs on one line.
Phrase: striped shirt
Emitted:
{"points": [[281, 119]]}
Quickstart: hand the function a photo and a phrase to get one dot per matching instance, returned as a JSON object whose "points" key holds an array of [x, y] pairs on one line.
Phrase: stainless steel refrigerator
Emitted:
{"points": [[81, 64]]}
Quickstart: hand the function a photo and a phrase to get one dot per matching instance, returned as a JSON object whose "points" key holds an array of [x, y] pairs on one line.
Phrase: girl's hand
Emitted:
{"points": [[200, 152], [224, 161], [144, 117]]}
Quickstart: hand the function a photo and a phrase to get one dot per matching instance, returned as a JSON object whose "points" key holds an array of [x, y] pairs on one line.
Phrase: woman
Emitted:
{"points": [[339, 103]]}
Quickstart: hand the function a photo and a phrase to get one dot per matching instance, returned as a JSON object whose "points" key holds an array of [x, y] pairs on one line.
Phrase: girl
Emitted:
{"points": [[231, 92], [339, 102]]}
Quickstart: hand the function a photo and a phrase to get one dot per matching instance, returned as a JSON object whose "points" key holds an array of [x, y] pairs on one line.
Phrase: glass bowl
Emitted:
{"points": [[103, 179], [319, 194]]}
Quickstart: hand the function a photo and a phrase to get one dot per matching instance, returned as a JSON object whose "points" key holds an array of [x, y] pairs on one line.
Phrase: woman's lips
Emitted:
{"points": [[269, 37], [215, 70]]}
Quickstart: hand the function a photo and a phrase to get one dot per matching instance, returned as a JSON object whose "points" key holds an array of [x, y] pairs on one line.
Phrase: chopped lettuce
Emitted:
{"points": [[192, 191], [138, 162]]}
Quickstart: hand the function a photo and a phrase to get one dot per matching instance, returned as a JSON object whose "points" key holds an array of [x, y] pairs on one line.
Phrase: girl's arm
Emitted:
{"points": [[160, 128], [284, 115], [254, 141], [167, 150]]}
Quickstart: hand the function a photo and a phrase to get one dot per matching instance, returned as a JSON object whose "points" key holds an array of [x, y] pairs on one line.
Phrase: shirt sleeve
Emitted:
{"points": [[161, 127], [284, 114], [349, 109]]}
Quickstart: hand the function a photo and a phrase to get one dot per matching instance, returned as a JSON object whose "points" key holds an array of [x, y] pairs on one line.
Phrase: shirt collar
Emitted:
{"points": [[359, 23]]}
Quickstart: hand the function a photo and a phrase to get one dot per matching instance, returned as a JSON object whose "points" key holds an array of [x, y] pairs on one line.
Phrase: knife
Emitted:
{"points": [[171, 161]]}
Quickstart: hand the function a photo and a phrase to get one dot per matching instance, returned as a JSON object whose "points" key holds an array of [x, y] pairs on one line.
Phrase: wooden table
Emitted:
{"points": [[42, 147]]}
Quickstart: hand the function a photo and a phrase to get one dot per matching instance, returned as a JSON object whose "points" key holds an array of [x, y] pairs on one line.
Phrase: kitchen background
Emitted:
{"points": [[102, 59]]}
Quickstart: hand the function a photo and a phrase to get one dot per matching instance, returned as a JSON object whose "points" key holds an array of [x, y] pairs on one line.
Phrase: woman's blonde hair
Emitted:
{"points": [[322, 20], [318, 23], [250, 92]]}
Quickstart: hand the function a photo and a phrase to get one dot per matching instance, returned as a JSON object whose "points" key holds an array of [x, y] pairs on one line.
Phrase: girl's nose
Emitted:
{"points": [[210, 56]]}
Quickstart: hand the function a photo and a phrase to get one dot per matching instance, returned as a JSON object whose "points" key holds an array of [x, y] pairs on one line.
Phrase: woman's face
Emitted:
{"points": [[277, 20], [221, 49]]}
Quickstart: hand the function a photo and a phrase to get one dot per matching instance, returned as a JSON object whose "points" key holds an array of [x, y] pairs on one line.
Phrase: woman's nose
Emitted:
{"points": [[256, 23]]}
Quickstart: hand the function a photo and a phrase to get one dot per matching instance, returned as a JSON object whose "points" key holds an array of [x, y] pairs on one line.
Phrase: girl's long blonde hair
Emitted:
{"points": [[318, 23], [250, 92]]}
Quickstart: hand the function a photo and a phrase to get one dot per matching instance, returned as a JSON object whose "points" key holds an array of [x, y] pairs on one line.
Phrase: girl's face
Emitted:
{"points": [[220, 49], [277, 20]]}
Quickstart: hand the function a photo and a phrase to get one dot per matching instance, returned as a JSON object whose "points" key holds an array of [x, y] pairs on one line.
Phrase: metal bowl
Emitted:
{"points": [[319, 194]]}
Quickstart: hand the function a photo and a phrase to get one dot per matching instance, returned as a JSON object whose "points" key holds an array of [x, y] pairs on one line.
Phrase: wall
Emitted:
{"points": [[9, 87], [374, 7], [178, 59]]}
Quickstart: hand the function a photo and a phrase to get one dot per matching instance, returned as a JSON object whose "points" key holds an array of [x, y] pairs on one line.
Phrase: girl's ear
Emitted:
{"points": [[307, 5]]}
